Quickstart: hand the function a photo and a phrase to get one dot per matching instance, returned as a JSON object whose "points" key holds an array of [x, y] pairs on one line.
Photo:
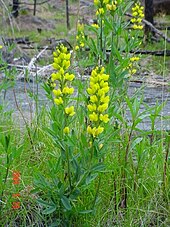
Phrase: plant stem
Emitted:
{"points": [[124, 196], [101, 41]]}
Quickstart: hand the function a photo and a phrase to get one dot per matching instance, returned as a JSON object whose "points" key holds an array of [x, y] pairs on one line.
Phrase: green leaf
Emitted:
{"points": [[45, 203], [49, 210], [90, 178], [98, 167], [66, 203], [85, 211], [136, 141]]}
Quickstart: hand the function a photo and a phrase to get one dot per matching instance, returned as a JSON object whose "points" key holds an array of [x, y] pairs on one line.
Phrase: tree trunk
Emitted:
{"points": [[15, 8], [35, 4], [148, 14], [67, 15]]}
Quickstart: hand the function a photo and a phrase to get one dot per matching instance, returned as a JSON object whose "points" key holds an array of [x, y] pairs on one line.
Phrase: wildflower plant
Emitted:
{"points": [[90, 127]]}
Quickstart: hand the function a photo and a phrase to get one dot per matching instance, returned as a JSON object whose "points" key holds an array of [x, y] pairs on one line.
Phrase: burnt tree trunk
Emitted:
{"points": [[148, 15], [15, 8], [35, 5], [67, 15]]}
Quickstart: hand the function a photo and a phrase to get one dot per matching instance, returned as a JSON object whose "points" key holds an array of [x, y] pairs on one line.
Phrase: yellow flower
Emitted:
{"points": [[93, 116], [77, 47], [103, 84], [105, 77], [93, 98], [89, 129], [1, 47], [96, 2], [66, 130], [67, 90], [134, 59], [95, 26], [104, 118], [100, 11], [91, 107], [55, 76], [105, 99], [99, 130], [95, 131], [82, 44], [57, 92], [66, 64], [70, 111], [69, 77], [134, 14], [105, 89], [103, 107], [58, 101]]}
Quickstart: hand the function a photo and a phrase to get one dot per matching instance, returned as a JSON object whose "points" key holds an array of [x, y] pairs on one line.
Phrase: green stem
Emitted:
{"points": [[101, 42], [97, 192]]}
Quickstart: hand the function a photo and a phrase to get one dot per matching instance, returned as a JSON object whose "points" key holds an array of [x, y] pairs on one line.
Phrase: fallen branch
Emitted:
{"points": [[150, 82], [149, 52], [155, 30]]}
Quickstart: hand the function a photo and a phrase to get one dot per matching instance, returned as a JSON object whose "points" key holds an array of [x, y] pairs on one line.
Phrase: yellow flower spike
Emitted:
{"points": [[104, 118], [70, 111], [93, 116], [58, 101], [138, 15], [98, 102], [66, 130], [57, 92]]}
